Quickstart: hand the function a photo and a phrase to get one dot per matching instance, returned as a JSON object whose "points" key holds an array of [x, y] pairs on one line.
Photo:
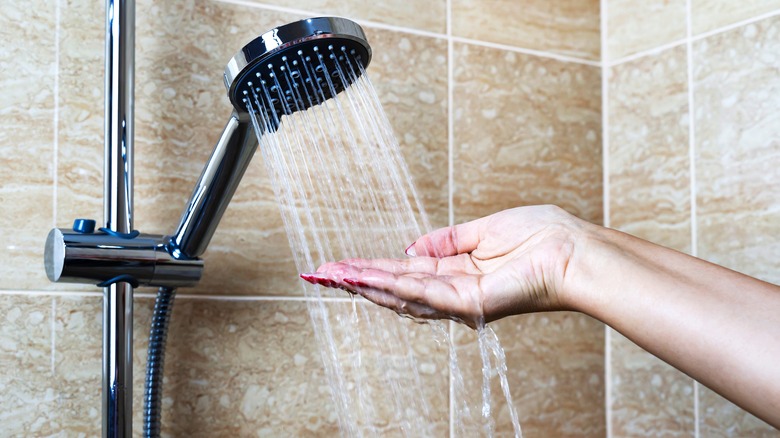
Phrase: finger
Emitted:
{"points": [[456, 265], [448, 241], [434, 292], [398, 305], [419, 265], [331, 275]]}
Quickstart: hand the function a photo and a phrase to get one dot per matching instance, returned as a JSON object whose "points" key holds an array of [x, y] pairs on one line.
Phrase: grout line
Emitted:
{"points": [[50, 293], [451, 334], [55, 159], [53, 333], [692, 176], [603, 15], [445, 36], [689, 38], [608, 378], [450, 122], [308, 13], [539, 53], [731, 26], [648, 52], [450, 184]]}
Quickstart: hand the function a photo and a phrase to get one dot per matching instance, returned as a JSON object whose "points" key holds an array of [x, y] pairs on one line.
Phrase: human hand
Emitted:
{"points": [[511, 262]]}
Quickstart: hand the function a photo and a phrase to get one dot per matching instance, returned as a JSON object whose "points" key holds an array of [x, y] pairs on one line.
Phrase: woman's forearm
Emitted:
{"points": [[718, 326]]}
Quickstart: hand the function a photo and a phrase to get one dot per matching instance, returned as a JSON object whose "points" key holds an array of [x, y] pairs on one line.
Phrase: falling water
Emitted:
{"points": [[344, 190]]}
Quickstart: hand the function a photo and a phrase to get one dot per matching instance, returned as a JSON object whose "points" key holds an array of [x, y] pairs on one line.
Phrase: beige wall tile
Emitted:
{"points": [[566, 27], [649, 175], [81, 113], [737, 162], [636, 25], [527, 131], [27, 78], [78, 332], [236, 368], [555, 372], [29, 398], [650, 198], [737, 148], [719, 417], [396, 360], [428, 15], [712, 14], [410, 75], [649, 397]]}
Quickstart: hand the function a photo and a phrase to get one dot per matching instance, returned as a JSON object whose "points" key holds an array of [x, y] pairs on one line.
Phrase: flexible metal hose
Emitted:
{"points": [[155, 359]]}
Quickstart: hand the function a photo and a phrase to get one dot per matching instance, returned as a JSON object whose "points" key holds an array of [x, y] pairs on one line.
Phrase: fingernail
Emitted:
{"points": [[317, 278], [355, 282], [410, 250], [310, 277]]}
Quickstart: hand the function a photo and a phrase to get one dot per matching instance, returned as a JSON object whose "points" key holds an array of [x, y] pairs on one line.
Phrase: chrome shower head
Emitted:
{"points": [[297, 65]]}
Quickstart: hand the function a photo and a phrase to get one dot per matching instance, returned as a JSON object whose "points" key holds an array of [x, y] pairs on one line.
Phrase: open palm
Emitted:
{"points": [[508, 263]]}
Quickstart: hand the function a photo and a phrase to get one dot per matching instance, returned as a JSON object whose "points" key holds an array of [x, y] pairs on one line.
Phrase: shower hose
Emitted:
{"points": [[155, 359]]}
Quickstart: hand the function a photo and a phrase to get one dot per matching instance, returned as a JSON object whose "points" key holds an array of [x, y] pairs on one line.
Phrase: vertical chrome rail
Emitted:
{"points": [[118, 214]]}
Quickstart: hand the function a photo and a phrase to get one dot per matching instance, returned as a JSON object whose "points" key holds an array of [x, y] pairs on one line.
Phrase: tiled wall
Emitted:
{"points": [[496, 104], [692, 128]]}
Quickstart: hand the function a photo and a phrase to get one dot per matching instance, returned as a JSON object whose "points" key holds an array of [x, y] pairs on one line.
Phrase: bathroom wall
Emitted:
{"points": [[495, 104], [692, 127]]}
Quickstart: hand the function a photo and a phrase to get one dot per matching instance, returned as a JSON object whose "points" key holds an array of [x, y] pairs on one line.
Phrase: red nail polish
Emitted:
{"points": [[410, 250], [355, 282]]}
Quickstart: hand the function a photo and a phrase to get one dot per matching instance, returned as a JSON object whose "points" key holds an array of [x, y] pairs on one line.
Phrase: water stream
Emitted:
{"points": [[344, 190]]}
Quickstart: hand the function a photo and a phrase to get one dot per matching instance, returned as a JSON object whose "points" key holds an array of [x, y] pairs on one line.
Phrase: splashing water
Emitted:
{"points": [[344, 190]]}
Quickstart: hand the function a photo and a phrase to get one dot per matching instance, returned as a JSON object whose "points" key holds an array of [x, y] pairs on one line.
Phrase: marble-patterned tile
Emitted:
{"points": [[78, 332], [738, 167], [555, 371], [649, 175], [427, 15], [410, 76], [564, 27], [237, 367], [28, 405], [649, 397], [650, 198], [719, 417], [527, 131], [393, 359], [737, 148], [27, 78], [81, 112], [708, 15], [636, 25]]}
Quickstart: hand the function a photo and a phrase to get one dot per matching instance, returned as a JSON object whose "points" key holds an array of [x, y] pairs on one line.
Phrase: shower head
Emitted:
{"points": [[284, 70], [297, 65]]}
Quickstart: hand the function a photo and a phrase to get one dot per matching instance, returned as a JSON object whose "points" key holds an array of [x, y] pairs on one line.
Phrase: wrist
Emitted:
{"points": [[594, 250]]}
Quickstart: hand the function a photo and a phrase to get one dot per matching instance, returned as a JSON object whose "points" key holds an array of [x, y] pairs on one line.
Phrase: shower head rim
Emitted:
{"points": [[270, 43]]}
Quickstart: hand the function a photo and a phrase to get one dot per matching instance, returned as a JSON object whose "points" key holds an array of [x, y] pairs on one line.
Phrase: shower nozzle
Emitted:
{"points": [[297, 65]]}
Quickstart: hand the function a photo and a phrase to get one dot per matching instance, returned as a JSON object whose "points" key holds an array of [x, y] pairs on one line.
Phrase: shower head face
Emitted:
{"points": [[297, 65]]}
